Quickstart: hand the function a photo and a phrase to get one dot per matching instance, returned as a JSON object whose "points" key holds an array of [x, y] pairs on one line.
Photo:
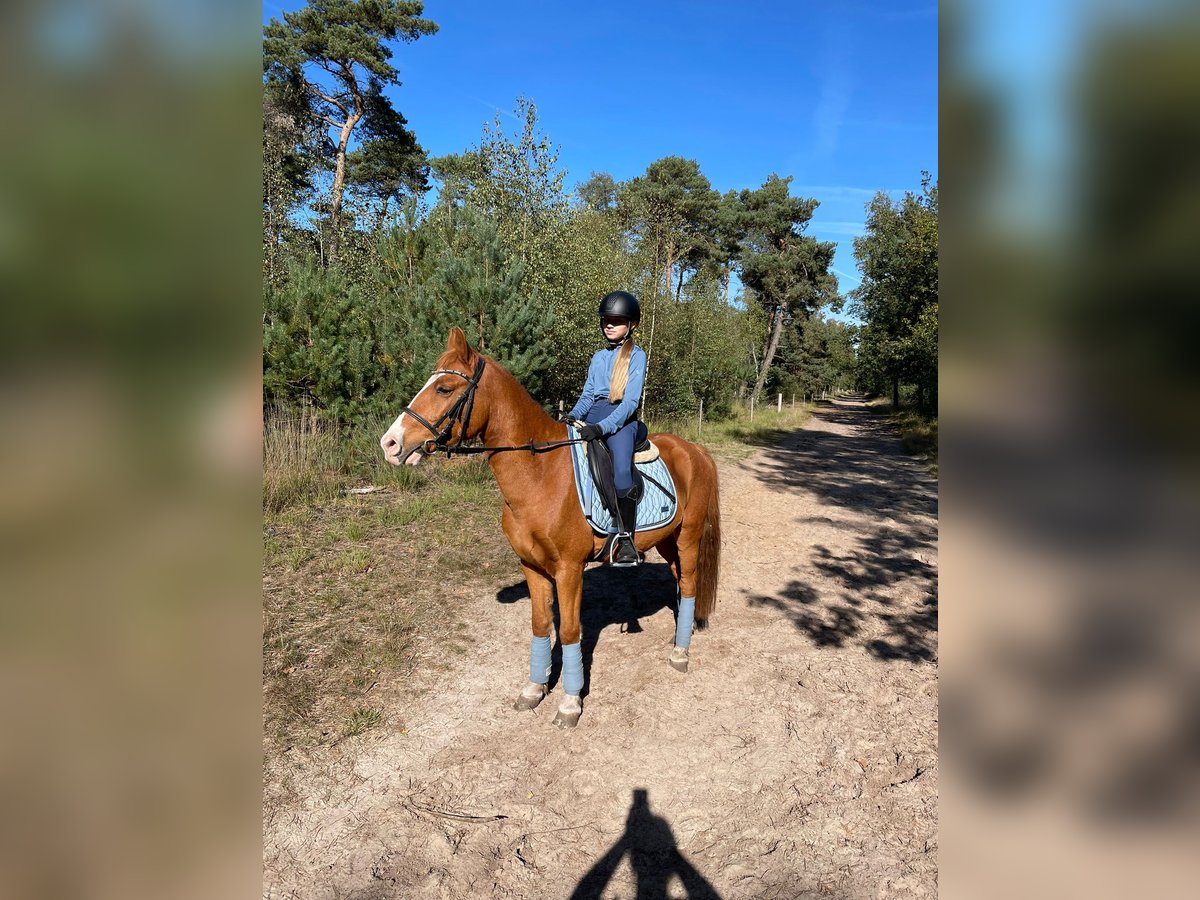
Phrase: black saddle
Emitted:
{"points": [[600, 464]]}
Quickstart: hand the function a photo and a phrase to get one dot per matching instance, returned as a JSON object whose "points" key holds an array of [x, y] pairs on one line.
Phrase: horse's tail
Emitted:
{"points": [[708, 564]]}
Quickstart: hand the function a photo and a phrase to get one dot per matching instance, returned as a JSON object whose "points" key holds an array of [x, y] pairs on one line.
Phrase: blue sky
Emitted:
{"points": [[841, 96]]}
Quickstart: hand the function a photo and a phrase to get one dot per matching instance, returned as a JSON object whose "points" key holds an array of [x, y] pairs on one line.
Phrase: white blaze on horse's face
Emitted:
{"points": [[399, 450]]}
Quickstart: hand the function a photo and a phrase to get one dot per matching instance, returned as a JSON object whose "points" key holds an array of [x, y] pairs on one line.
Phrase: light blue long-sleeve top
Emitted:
{"points": [[596, 387]]}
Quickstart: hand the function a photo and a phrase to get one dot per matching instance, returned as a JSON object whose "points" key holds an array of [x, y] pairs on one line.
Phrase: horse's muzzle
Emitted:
{"points": [[410, 457]]}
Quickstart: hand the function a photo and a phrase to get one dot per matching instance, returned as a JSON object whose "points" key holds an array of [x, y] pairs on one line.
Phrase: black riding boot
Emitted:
{"points": [[626, 553]]}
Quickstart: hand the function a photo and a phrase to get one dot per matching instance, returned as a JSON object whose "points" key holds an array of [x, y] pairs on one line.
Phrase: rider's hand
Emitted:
{"points": [[590, 432]]}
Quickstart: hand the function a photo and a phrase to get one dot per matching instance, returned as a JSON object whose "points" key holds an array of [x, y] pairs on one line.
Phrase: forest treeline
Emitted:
{"points": [[373, 250]]}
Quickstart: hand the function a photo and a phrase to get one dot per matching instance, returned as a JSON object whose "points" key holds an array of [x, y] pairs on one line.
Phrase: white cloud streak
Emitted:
{"points": [[851, 228]]}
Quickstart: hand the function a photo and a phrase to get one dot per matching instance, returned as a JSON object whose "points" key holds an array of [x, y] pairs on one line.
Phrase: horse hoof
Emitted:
{"points": [[530, 697], [568, 713], [679, 659]]}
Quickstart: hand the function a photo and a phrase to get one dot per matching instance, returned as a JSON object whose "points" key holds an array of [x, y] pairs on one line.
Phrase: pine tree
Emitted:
{"points": [[390, 164], [476, 286], [337, 52], [788, 270], [319, 343], [674, 206]]}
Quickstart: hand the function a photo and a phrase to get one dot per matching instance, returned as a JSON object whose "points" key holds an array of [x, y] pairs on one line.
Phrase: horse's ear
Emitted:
{"points": [[458, 344]]}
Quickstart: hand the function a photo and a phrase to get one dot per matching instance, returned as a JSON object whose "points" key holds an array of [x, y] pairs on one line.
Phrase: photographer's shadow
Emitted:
{"points": [[653, 856]]}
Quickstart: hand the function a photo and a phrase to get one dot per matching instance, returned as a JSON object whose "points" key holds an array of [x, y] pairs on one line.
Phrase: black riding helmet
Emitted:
{"points": [[620, 304]]}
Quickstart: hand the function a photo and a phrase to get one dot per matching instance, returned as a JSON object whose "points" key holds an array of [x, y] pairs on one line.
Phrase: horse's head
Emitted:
{"points": [[442, 410]]}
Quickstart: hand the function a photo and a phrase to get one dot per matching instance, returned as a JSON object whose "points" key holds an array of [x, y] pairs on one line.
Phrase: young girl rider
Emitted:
{"points": [[608, 408]]}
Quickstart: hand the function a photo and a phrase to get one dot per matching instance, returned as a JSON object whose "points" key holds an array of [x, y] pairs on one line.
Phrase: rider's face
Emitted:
{"points": [[615, 327]]}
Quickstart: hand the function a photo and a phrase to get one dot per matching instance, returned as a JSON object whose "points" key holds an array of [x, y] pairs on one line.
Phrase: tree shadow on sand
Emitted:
{"points": [[866, 471], [610, 597], [875, 581], [885, 579], [653, 855], [910, 634]]}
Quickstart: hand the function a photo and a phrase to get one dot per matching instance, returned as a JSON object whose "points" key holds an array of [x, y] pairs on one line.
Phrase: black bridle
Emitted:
{"points": [[444, 426]]}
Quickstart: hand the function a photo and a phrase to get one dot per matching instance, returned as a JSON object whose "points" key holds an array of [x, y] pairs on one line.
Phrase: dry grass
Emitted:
{"points": [[355, 589], [920, 436], [301, 462], [307, 461], [918, 433]]}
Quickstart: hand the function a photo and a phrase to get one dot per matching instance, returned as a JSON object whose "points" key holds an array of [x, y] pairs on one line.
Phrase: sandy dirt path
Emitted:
{"points": [[797, 758]]}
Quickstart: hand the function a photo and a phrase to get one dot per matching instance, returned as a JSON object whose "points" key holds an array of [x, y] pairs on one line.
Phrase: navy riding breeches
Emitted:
{"points": [[620, 445]]}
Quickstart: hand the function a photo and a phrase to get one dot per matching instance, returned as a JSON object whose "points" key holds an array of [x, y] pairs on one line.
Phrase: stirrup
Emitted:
{"points": [[613, 551]]}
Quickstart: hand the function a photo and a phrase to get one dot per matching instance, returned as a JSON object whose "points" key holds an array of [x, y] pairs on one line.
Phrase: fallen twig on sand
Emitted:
{"points": [[458, 817]]}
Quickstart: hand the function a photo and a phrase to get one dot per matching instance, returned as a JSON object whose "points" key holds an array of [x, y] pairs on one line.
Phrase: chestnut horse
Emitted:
{"points": [[471, 396]]}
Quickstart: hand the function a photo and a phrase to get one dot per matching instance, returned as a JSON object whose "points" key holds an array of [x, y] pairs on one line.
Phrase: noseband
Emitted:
{"points": [[442, 428]]}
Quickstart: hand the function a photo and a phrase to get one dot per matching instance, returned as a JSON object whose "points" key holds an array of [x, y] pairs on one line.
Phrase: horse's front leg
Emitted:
{"points": [[569, 580], [540, 595]]}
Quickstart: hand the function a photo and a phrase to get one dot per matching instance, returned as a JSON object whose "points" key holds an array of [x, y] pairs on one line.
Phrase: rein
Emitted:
{"points": [[532, 447], [440, 438]]}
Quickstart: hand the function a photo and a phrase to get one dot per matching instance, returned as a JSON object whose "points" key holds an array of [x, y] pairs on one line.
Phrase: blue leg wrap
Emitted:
{"points": [[572, 671], [539, 659], [683, 626]]}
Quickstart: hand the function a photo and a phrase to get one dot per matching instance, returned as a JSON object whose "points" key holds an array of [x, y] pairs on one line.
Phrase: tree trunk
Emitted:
{"points": [[339, 183], [657, 261], [649, 348], [669, 268], [679, 285], [895, 393], [770, 354], [382, 217], [693, 356], [410, 255]]}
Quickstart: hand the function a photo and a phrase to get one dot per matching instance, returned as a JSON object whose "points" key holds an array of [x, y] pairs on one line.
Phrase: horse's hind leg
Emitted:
{"points": [[540, 594], [688, 549], [669, 550]]}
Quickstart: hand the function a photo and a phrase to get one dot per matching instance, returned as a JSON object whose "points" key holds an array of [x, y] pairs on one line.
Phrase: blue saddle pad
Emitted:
{"points": [[655, 508]]}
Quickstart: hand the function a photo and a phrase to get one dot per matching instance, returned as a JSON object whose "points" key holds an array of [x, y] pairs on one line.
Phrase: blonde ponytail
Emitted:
{"points": [[620, 372]]}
